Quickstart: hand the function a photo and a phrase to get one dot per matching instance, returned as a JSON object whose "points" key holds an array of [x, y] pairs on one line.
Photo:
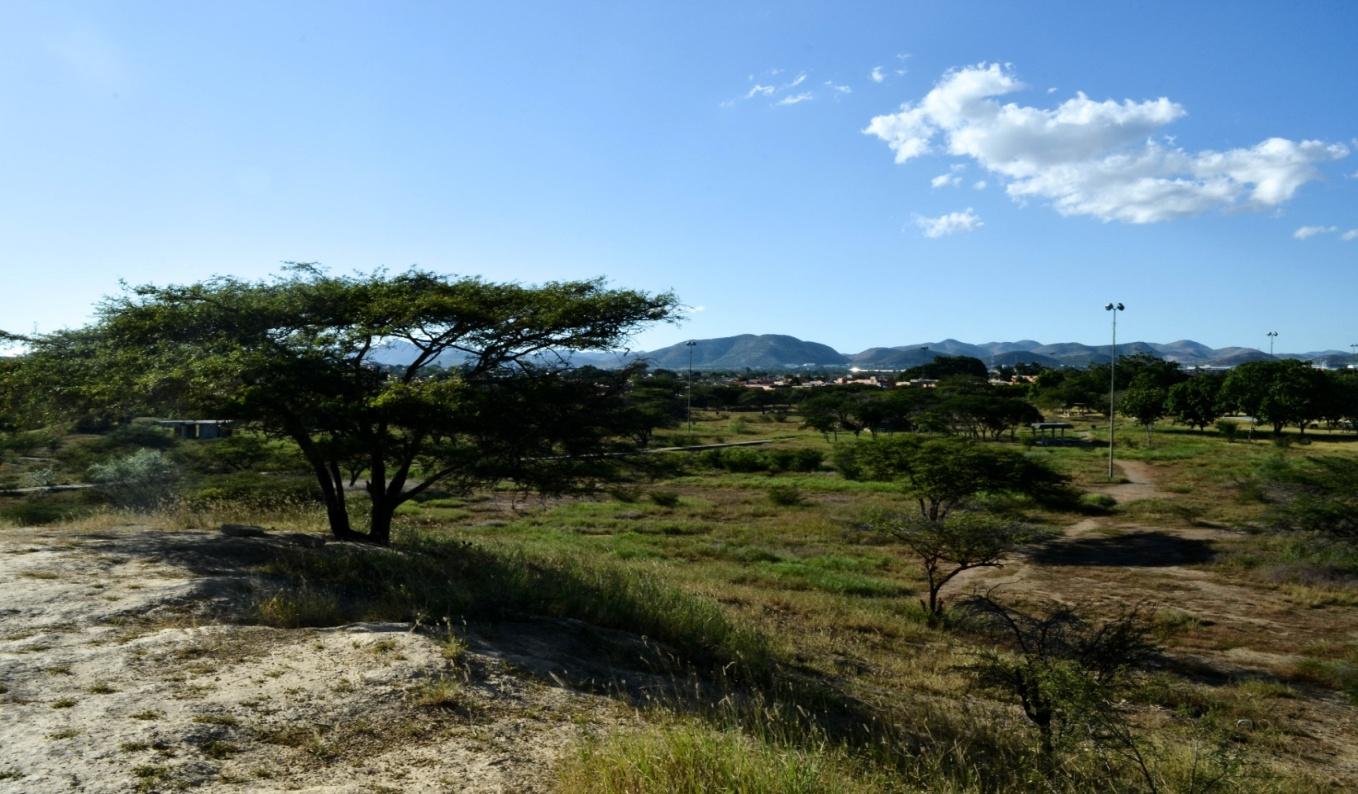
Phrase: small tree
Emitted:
{"points": [[1146, 402], [1194, 402], [1066, 672], [948, 546], [942, 473]]}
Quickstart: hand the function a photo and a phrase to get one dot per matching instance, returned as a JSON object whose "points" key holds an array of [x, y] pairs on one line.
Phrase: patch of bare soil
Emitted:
{"points": [[1232, 630], [1140, 483], [118, 672]]}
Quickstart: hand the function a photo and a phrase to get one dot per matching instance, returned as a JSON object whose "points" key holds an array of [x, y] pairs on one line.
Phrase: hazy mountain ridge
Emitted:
{"points": [[783, 352], [773, 351]]}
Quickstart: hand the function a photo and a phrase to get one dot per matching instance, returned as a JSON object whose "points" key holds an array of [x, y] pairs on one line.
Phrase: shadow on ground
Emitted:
{"points": [[1130, 549]]}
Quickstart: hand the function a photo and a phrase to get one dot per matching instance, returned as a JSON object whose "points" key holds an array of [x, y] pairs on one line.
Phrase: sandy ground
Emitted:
{"points": [[114, 678]]}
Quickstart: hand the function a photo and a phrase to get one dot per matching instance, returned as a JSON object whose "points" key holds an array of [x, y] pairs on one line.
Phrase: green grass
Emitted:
{"points": [[432, 578], [806, 661], [689, 757]]}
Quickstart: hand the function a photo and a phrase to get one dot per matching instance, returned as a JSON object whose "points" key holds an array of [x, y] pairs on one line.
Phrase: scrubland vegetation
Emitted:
{"points": [[899, 591], [791, 631]]}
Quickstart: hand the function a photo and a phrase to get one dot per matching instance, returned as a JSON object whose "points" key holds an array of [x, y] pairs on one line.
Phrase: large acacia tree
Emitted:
{"points": [[480, 394]]}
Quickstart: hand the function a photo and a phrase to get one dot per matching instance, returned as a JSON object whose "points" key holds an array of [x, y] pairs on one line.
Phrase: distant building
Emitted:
{"points": [[200, 429]]}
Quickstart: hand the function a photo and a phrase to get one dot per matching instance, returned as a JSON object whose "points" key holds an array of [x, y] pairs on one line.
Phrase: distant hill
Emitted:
{"points": [[782, 352], [764, 351]]}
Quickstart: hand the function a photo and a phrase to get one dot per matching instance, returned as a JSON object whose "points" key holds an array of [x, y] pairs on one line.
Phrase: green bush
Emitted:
{"points": [[1097, 502], [786, 495], [1315, 494], [254, 490], [773, 461], [1227, 429], [137, 435], [142, 480], [37, 511], [665, 498]]}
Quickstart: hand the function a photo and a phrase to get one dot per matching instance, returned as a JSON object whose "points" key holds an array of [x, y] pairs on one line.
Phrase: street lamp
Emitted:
{"points": [[690, 344], [1112, 381], [1271, 336]]}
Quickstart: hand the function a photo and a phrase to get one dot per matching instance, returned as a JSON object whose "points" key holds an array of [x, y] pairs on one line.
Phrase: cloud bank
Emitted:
{"points": [[1095, 158]]}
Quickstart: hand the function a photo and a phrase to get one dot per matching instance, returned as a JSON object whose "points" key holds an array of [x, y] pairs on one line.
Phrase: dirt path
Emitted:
{"points": [[1140, 483], [111, 680], [1231, 630]]}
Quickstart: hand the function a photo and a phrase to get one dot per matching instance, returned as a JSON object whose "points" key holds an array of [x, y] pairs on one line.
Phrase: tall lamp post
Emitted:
{"points": [[1271, 336], [1354, 348], [690, 344], [1112, 381]]}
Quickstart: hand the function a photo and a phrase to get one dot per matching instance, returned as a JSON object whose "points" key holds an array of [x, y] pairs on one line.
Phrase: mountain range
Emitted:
{"points": [[782, 352], [777, 352]]}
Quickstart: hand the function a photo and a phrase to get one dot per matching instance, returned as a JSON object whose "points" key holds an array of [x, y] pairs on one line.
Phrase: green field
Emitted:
{"points": [[800, 657]]}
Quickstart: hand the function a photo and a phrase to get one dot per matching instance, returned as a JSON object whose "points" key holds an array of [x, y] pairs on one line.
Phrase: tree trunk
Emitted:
{"points": [[379, 528], [332, 491]]}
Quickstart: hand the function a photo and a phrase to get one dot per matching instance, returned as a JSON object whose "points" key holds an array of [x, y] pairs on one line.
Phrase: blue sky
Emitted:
{"points": [[158, 142]]}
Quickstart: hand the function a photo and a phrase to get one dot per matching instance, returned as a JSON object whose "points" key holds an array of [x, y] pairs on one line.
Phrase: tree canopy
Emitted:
{"points": [[942, 473], [480, 396], [1280, 392]]}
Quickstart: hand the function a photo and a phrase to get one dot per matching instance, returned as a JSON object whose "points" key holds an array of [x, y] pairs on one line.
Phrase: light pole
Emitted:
{"points": [[1271, 336], [1354, 348], [690, 344], [1112, 381]]}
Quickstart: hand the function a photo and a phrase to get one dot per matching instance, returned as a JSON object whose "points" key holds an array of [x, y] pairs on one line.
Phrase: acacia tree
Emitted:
{"points": [[961, 542], [942, 473], [478, 397]]}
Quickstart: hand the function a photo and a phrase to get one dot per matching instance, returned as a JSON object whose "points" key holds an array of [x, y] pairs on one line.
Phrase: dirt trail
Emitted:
{"points": [[1140, 483], [109, 683], [1235, 630]]}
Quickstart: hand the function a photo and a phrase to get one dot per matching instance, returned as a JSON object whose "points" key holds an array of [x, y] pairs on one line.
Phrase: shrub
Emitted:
{"points": [[773, 461], [665, 498], [786, 495], [1315, 494], [143, 479], [1067, 674], [1097, 502], [1227, 429]]}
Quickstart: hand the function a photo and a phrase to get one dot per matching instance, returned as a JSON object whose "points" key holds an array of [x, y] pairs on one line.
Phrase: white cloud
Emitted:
{"points": [[951, 223], [798, 80], [1096, 158], [979, 184], [951, 179], [1351, 234], [877, 75], [759, 90], [839, 89], [795, 99], [1307, 232]]}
